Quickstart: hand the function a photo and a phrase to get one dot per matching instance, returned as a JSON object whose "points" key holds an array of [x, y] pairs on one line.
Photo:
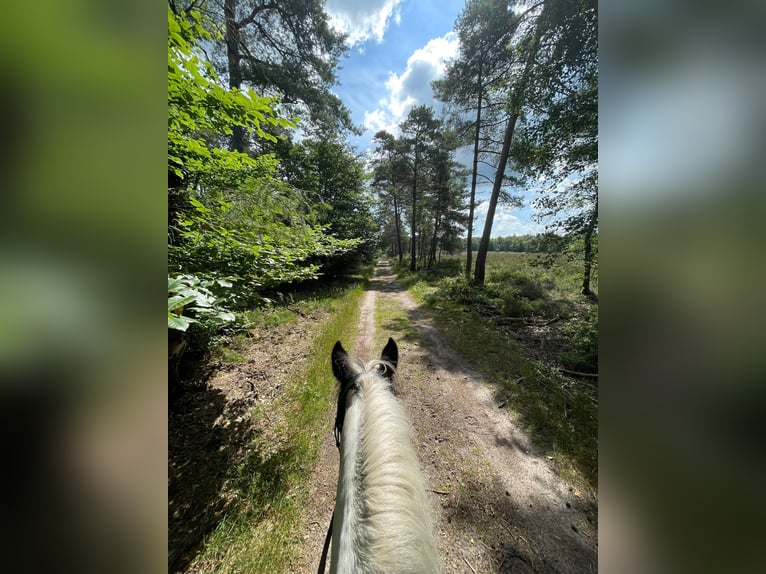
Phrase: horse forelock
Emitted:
{"points": [[374, 366], [384, 370]]}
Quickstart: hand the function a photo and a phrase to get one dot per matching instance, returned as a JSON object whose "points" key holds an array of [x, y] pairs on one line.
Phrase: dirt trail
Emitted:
{"points": [[498, 504]]}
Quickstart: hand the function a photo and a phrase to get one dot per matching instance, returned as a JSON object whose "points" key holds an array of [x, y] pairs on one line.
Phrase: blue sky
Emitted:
{"points": [[397, 48]]}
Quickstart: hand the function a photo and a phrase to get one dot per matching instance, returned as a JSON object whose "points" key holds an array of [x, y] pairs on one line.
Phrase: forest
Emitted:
{"points": [[264, 191]]}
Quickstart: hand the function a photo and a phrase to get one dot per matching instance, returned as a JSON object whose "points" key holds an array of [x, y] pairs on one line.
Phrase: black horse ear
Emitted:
{"points": [[390, 352], [340, 363]]}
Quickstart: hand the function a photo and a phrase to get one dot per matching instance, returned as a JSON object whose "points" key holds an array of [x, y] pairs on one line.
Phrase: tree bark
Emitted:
{"points": [[481, 256], [434, 241], [469, 242], [398, 230], [413, 250], [397, 215], [234, 57], [516, 102]]}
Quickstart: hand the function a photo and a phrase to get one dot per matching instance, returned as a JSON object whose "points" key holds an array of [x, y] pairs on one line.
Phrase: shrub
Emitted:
{"points": [[521, 283], [583, 344], [195, 316], [190, 300], [514, 305], [462, 290]]}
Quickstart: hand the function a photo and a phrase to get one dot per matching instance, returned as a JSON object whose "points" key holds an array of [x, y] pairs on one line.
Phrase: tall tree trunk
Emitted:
{"points": [[434, 241], [234, 57], [481, 256], [413, 250], [398, 224], [516, 102], [588, 253], [471, 205]]}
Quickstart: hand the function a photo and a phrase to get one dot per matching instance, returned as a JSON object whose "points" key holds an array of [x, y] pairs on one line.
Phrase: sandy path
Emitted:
{"points": [[499, 506]]}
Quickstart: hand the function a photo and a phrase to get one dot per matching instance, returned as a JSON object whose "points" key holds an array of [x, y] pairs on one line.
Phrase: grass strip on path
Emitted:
{"points": [[259, 535]]}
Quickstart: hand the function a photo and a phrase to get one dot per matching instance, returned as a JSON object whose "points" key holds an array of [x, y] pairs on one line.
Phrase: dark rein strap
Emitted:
{"points": [[328, 536], [339, 417]]}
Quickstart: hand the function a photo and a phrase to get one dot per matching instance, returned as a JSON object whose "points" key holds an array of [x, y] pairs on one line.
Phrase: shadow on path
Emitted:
{"points": [[502, 508], [213, 463]]}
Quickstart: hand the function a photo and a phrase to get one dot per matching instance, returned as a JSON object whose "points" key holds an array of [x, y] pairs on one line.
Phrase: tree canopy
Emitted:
{"points": [[282, 48], [530, 72], [416, 175], [237, 226]]}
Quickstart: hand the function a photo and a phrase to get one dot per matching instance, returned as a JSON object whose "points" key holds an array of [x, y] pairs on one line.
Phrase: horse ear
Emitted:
{"points": [[390, 352], [340, 363]]}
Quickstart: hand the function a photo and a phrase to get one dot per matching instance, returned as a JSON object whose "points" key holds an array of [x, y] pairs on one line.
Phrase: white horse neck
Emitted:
{"points": [[382, 512]]}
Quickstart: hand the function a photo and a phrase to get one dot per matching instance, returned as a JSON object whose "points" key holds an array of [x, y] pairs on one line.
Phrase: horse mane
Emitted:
{"points": [[392, 526]]}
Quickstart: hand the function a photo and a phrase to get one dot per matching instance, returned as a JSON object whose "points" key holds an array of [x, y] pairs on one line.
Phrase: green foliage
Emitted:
{"points": [[331, 173], [582, 353], [538, 243], [523, 284], [465, 291], [191, 299], [230, 215], [198, 105], [518, 286], [289, 48], [264, 235], [512, 291]]}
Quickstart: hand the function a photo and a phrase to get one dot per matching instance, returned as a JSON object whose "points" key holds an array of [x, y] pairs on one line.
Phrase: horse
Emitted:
{"points": [[382, 520]]}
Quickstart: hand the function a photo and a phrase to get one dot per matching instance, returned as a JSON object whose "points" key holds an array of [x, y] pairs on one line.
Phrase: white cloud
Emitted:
{"points": [[363, 19], [376, 121], [505, 222], [413, 86]]}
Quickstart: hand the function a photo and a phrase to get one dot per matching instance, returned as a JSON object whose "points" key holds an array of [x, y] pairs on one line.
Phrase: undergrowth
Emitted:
{"points": [[269, 482], [208, 342], [560, 415], [582, 334]]}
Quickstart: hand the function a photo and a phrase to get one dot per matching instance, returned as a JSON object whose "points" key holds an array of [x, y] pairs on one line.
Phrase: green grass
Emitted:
{"points": [[258, 535], [520, 287], [561, 417]]}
